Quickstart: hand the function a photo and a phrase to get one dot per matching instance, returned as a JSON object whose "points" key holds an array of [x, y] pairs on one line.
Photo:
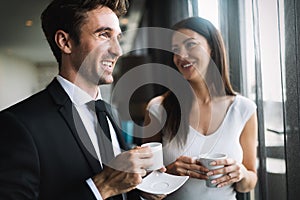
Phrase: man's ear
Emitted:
{"points": [[63, 41]]}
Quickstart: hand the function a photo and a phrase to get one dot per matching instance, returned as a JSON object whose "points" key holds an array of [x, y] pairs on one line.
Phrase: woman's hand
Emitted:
{"points": [[187, 166], [233, 172]]}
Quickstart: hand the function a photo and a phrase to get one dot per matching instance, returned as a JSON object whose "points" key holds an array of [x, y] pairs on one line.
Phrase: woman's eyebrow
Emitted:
{"points": [[188, 39]]}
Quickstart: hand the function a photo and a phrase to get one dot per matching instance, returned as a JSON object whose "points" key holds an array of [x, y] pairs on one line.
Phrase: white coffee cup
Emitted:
{"points": [[156, 148], [205, 160]]}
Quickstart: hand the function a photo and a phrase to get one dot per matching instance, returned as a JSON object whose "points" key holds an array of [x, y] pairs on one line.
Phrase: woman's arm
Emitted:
{"points": [[248, 142], [243, 175], [149, 134], [152, 123]]}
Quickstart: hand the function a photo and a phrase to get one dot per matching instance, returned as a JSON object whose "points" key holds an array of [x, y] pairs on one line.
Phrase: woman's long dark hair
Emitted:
{"points": [[177, 123]]}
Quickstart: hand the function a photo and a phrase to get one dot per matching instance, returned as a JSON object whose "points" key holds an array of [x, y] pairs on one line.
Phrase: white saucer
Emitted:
{"points": [[161, 183]]}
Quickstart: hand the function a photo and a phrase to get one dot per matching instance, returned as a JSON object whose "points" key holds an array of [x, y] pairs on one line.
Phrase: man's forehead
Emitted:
{"points": [[104, 18]]}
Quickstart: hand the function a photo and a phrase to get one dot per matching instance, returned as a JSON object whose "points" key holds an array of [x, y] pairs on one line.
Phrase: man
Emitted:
{"points": [[48, 142]]}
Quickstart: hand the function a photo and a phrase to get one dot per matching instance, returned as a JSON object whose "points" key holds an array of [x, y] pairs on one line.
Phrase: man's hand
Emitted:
{"points": [[124, 173], [152, 196]]}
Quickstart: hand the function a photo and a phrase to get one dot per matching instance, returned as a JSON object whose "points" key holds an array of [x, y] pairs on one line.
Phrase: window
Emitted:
{"points": [[263, 57], [210, 11]]}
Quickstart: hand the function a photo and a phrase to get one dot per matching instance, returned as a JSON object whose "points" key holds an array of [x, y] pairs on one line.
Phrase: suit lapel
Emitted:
{"points": [[115, 122], [71, 117]]}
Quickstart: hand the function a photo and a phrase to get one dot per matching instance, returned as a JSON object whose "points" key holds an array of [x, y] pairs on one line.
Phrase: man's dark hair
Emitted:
{"points": [[69, 15]]}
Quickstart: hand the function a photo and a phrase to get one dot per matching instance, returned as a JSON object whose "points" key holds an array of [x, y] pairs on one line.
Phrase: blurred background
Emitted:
{"points": [[262, 40]]}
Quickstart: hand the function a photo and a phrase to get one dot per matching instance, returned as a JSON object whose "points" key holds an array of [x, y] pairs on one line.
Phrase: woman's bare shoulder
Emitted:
{"points": [[157, 100]]}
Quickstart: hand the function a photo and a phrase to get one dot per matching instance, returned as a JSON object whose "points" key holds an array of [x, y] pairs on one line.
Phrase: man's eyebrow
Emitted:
{"points": [[120, 35], [103, 29]]}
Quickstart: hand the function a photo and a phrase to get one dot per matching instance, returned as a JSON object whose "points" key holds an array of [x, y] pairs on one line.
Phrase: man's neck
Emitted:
{"points": [[88, 87]]}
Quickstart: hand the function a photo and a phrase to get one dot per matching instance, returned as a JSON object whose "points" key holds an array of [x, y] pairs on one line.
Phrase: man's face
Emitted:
{"points": [[98, 50]]}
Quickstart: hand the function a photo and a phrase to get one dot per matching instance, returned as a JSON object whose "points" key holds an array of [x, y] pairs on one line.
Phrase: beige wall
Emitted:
{"points": [[20, 79]]}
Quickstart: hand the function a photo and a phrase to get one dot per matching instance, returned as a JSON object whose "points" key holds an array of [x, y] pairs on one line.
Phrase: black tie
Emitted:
{"points": [[103, 133], [103, 136]]}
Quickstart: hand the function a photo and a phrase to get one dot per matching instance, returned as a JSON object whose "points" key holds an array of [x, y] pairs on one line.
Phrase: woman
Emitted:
{"points": [[213, 120]]}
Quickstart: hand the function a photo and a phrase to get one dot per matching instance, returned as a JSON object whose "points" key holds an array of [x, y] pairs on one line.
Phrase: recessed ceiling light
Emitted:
{"points": [[28, 23], [124, 21]]}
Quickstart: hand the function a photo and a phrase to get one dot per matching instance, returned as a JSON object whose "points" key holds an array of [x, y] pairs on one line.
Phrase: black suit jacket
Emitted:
{"points": [[41, 154]]}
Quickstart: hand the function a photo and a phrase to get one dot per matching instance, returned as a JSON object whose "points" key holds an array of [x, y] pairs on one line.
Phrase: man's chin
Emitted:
{"points": [[105, 81]]}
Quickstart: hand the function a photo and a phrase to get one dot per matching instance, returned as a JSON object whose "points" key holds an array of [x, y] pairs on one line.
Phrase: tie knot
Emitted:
{"points": [[98, 106]]}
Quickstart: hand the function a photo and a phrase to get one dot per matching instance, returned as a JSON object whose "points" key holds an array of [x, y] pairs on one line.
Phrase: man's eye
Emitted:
{"points": [[104, 35], [119, 37]]}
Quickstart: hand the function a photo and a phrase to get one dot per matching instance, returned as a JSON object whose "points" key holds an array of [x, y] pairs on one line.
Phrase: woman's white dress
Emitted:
{"points": [[224, 140]]}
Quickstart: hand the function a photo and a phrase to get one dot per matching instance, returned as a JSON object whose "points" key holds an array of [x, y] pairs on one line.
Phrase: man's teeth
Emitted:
{"points": [[107, 63], [187, 65]]}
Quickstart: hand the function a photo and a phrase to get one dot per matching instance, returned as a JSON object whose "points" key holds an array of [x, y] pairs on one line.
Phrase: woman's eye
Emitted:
{"points": [[190, 45], [175, 50]]}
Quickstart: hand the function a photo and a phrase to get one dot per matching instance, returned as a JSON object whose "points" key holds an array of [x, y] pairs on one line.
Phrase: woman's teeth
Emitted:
{"points": [[187, 65]]}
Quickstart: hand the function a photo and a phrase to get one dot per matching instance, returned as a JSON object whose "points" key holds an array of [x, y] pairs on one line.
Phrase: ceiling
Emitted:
{"points": [[28, 42], [19, 40]]}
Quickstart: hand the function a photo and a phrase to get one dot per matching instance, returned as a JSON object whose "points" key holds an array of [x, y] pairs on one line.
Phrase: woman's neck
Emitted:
{"points": [[201, 92]]}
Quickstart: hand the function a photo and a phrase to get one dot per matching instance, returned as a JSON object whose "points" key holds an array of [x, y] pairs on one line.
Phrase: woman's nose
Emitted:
{"points": [[182, 53]]}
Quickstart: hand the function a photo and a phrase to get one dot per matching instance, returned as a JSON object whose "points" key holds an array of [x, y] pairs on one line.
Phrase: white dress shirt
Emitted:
{"points": [[80, 99]]}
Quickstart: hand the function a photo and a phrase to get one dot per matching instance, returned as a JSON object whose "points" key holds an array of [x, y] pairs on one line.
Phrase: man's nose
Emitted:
{"points": [[115, 47]]}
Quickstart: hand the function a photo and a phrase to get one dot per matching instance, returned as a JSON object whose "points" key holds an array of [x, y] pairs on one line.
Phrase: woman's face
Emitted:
{"points": [[191, 53]]}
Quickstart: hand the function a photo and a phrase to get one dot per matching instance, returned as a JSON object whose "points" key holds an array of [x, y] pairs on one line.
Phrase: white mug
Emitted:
{"points": [[206, 160], [156, 148]]}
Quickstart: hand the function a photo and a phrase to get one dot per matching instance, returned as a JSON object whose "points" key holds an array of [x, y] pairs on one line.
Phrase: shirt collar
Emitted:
{"points": [[77, 95]]}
